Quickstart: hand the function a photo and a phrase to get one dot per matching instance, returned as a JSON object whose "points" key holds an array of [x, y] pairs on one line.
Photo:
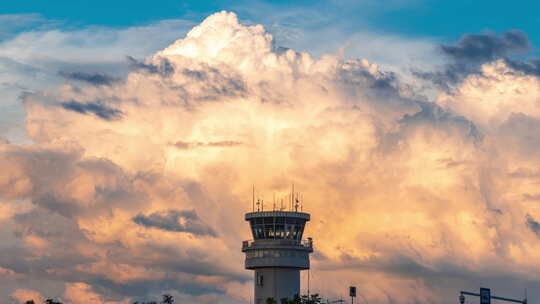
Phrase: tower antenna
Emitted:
{"points": [[253, 198], [290, 202], [292, 196]]}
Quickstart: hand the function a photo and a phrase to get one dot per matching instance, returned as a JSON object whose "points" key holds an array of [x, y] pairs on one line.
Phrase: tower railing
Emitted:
{"points": [[305, 243]]}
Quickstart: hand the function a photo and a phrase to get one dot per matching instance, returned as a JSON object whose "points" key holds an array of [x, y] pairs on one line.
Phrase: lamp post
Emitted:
{"points": [[352, 293]]}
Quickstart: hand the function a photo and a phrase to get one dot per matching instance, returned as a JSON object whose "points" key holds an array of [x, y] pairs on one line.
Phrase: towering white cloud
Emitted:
{"points": [[137, 187]]}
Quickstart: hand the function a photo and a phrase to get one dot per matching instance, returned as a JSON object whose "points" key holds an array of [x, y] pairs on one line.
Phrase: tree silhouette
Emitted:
{"points": [[270, 301], [312, 299], [167, 299]]}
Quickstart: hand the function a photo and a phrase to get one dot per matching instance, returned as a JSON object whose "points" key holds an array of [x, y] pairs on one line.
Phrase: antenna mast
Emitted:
{"points": [[292, 197]]}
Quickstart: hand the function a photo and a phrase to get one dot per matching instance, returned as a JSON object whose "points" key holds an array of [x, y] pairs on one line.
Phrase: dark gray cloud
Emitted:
{"points": [[529, 67], [184, 145], [479, 48], [380, 91], [533, 224], [531, 197], [383, 86], [447, 77], [434, 117], [280, 49], [91, 78], [165, 68], [215, 83], [48, 172], [230, 87], [97, 108], [471, 51], [199, 75], [177, 221]]}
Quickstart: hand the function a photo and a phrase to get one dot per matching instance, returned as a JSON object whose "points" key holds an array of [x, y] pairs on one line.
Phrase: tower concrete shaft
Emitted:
{"points": [[277, 253]]}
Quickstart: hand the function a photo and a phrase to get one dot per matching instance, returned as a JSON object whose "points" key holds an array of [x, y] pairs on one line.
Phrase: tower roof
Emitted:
{"points": [[288, 214]]}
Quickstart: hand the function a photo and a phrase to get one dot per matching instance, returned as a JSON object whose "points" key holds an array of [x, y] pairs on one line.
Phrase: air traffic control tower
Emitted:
{"points": [[277, 253]]}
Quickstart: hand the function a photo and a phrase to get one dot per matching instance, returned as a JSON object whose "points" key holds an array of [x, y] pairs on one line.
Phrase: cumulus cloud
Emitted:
{"points": [[82, 293], [24, 295], [425, 196], [494, 95], [472, 50], [33, 49]]}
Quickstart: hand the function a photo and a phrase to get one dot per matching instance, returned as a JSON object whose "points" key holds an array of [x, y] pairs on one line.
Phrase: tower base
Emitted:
{"points": [[277, 283]]}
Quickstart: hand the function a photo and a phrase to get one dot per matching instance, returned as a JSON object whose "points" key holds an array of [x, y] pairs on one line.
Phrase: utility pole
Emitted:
{"points": [[485, 297]]}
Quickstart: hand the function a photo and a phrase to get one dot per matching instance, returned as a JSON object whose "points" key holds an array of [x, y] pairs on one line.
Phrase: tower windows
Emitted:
{"points": [[277, 228], [269, 253]]}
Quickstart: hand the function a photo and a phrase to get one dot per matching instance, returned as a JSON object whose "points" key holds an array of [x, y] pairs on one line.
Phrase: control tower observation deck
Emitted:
{"points": [[277, 253]]}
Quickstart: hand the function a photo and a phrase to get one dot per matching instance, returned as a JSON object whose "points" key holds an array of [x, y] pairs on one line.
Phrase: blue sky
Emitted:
{"points": [[444, 19]]}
